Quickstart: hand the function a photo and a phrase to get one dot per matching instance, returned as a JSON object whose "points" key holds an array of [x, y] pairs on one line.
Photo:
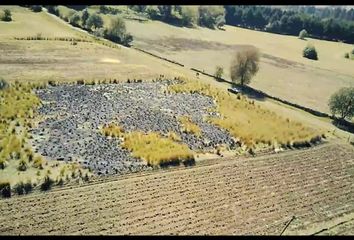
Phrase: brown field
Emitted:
{"points": [[283, 71], [224, 195], [230, 196]]}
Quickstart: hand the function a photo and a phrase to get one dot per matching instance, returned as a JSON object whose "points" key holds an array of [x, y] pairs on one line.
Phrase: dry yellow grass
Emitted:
{"points": [[249, 122], [174, 136], [18, 162], [156, 149], [112, 130], [283, 71], [189, 127]]}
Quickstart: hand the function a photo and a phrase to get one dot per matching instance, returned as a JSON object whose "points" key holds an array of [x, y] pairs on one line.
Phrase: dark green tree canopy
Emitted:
{"points": [[342, 103]]}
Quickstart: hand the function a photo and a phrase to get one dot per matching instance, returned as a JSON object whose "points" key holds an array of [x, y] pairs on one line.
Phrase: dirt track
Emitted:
{"points": [[239, 196]]}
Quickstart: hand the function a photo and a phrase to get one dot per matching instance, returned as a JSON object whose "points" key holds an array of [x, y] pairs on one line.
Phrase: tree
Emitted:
{"points": [[36, 8], [219, 72], [85, 15], [75, 20], [244, 66], [310, 52], [117, 32], [303, 34], [190, 15], [342, 103], [53, 9], [94, 21], [153, 12], [209, 14], [7, 16]]}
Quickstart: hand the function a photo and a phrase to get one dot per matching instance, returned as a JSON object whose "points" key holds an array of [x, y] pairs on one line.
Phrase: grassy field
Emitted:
{"points": [[27, 23], [283, 71], [248, 121], [43, 60]]}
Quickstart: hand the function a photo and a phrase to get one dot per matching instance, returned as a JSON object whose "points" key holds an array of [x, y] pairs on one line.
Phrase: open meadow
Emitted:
{"points": [[283, 73]]}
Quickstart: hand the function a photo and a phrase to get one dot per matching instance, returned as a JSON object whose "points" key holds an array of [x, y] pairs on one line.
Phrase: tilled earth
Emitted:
{"points": [[231, 196], [75, 112]]}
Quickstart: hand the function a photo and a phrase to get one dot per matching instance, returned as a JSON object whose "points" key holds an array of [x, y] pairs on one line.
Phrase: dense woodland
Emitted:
{"points": [[325, 23]]}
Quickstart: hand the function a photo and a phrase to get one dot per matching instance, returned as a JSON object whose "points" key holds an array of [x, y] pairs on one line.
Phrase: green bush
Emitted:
{"points": [[20, 188], [75, 20], [36, 8], [5, 189], [6, 17], [208, 16], [28, 187], [346, 55], [303, 34], [22, 165], [47, 184], [310, 52], [3, 84], [94, 21]]}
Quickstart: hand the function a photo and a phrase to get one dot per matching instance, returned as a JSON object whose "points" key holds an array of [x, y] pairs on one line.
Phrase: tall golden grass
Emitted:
{"points": [[189, 127], [156, 149], [112, 130], [247, 121]]}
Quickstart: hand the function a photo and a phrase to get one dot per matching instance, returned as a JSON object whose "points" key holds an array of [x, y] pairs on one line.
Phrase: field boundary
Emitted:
{"points": [[204, 163]]}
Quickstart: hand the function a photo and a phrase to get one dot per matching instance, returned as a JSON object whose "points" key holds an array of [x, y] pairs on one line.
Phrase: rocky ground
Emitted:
{"points": [[74, 114]]}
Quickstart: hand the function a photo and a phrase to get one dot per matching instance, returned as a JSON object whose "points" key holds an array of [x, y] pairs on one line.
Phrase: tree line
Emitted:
{"points": [[328, 26], [189, 16]]}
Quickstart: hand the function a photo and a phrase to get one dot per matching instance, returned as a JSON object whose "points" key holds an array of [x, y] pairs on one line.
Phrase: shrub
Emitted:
{"points": [[94, 21], [346, 55], [3, 84], [3, 163], [22, 165], [310, 52], [5, 189], [153, 12], [53, 9], [211, 16], [60, 182], [38, 162], [303, 34], [36, 8], [219, 72], [75, 20], [28, 187], [6, 16], [86, 178], [47, 183], [20, 188]]}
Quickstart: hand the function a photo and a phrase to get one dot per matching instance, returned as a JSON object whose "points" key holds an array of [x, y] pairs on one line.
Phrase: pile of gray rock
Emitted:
{"points": [[75, 112]]}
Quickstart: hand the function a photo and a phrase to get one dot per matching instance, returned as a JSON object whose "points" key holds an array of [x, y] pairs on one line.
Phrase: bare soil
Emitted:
{"points": [[233, 196]]}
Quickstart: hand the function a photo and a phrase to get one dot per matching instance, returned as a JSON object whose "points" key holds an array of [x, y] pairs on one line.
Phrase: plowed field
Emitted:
{"points": [[231, 196]]}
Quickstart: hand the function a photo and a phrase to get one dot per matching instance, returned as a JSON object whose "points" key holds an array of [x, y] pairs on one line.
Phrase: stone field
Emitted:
{"points": [[74, 113]]}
